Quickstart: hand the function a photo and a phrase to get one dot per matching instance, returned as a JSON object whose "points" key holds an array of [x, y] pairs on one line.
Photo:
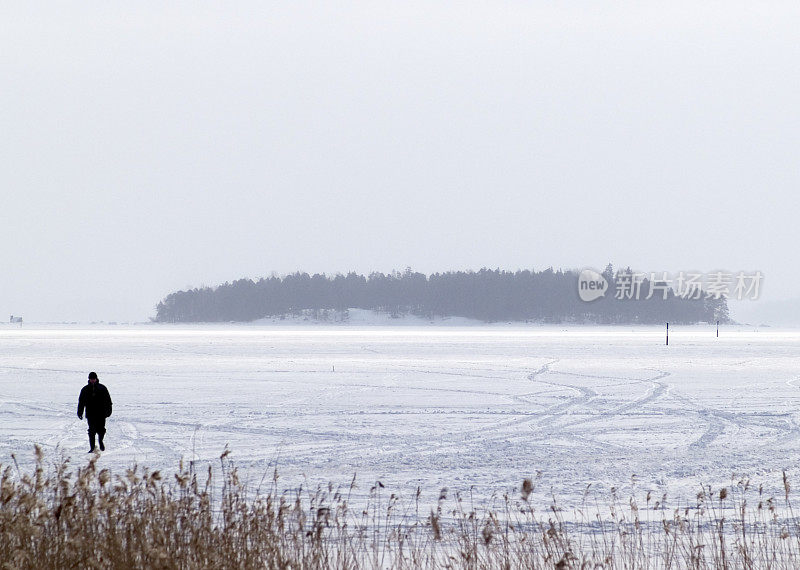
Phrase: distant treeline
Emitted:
{"points": [[487, 295]]}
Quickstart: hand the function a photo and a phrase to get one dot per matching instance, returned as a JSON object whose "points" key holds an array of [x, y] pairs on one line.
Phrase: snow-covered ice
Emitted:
{"points": [[464, 407]]}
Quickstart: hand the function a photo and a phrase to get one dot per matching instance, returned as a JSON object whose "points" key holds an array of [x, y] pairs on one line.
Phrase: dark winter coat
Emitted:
{"points": [[96, 400]]}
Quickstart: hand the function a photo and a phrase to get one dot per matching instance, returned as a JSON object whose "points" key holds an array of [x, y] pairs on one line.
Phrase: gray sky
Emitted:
{"points": [[145, 149]]}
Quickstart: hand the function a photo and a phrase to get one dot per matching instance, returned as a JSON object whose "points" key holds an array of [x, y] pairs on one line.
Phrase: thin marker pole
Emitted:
{"points": [[717, 329], [667, 334]]}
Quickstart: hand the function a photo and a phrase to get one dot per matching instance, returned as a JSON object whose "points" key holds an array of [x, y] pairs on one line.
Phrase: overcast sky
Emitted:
{"points": [[145, 149]]}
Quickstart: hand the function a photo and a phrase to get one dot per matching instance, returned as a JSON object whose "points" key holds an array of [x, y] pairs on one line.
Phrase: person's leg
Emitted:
{"points": [[101, 432], [92, 431]]}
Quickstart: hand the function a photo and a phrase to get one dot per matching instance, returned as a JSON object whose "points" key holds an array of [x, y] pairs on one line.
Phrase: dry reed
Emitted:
{"points": [[59, 517]]}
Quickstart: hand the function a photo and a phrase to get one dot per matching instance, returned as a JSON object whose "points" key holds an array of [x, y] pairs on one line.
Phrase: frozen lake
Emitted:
{"points": [[479, 407]]}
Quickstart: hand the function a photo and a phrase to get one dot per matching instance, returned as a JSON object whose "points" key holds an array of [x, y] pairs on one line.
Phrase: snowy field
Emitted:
{"points": [[464, 407]]}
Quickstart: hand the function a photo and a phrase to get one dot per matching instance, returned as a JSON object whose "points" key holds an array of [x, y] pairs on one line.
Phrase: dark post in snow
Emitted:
{"points": [[717, 329], [667, 334]]}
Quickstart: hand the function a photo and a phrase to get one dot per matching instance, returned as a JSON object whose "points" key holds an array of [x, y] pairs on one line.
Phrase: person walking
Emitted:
{"points": [[96, 401]]}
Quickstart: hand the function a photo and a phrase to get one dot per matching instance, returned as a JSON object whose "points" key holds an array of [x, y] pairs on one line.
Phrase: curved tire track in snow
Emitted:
{"points": [[655, 392]]}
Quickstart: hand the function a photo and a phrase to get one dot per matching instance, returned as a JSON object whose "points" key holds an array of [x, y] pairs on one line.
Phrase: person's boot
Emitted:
{"points": [[100, 441], [91, 442]]}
